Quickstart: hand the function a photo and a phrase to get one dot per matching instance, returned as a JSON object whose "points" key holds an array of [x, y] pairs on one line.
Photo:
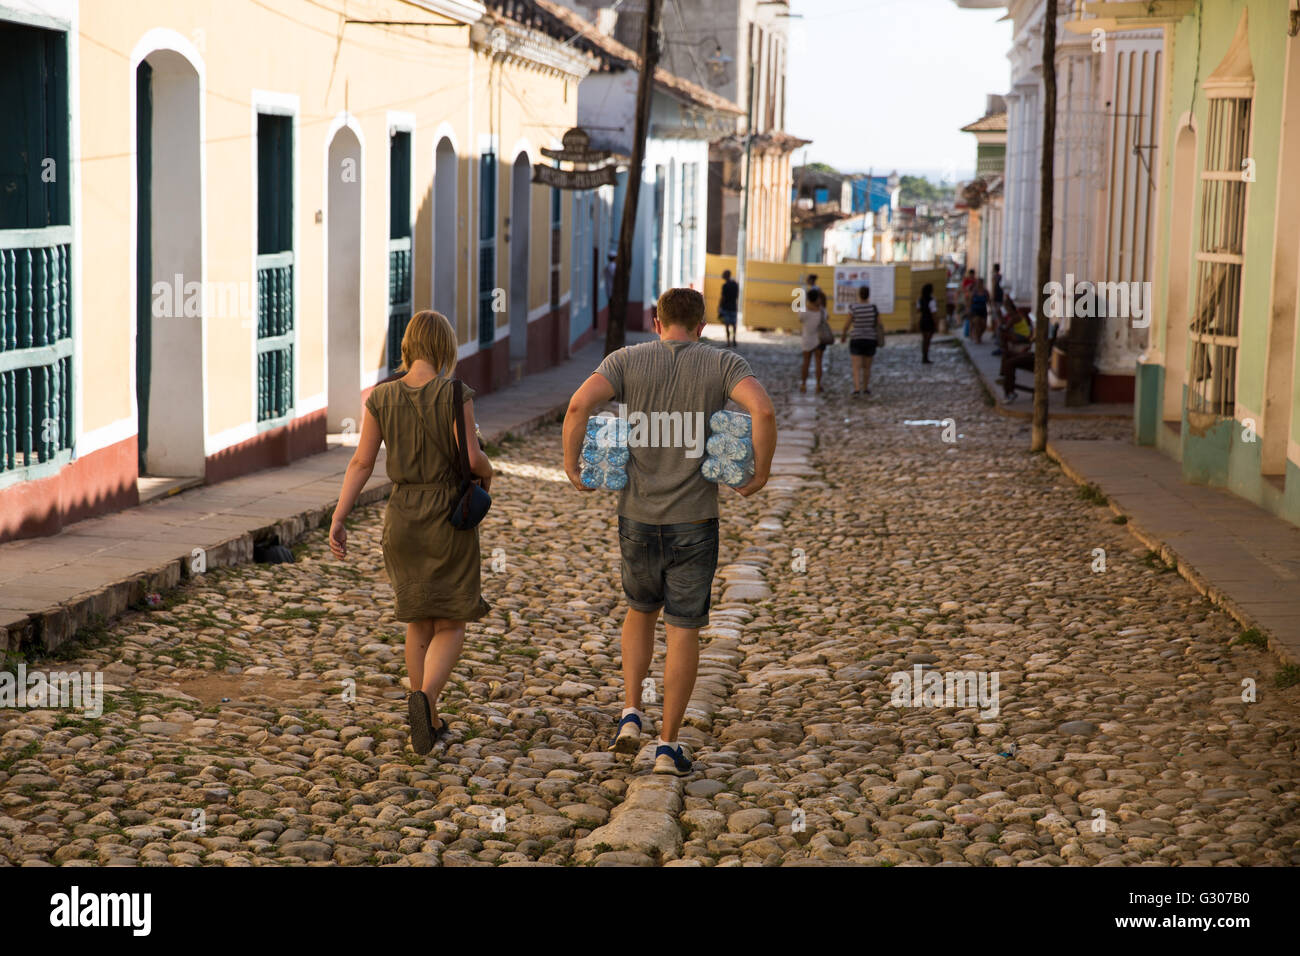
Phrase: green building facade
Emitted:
{"points": [[1217, 387]]}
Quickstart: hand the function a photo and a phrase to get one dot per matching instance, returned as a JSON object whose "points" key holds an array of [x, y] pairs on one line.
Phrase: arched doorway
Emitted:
{"points": [[172, 302], [446, 220], [520, 230], [343, 295]]}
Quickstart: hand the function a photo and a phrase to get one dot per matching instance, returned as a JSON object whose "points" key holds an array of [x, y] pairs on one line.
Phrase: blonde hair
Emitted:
{"points": [[429, 336]]}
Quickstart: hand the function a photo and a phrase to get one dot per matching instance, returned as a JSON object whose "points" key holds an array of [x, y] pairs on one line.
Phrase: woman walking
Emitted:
{"points": [[811, 320], [926, 307], [432, 566], [864, 333]]}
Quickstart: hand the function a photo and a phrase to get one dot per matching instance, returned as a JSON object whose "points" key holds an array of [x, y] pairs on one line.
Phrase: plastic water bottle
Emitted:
{"points": [[729, 452]]}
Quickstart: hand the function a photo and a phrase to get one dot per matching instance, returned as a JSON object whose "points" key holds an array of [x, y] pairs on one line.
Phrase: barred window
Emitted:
{"points": [[276, 326], [1215, 321], [36, 342], [399, 244]]}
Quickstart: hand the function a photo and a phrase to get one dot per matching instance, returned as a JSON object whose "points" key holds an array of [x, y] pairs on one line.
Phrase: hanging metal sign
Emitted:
{"points": [[577, 149], [575, 178]]}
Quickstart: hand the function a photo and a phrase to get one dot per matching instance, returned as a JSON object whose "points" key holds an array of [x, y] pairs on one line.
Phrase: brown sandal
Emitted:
{"points": [[417, 712]]}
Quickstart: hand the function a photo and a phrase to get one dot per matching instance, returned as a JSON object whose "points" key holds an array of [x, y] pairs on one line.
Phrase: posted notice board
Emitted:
{"points": [[848, 279]]}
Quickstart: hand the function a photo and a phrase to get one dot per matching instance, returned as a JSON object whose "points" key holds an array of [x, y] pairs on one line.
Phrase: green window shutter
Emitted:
{"points": [[276, 328], [399, 244], [35, 254]]}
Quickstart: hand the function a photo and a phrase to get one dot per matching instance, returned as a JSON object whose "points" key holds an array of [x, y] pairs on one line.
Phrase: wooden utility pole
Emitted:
{"points": [[1047, 183], [742, 234], [615, 332]]}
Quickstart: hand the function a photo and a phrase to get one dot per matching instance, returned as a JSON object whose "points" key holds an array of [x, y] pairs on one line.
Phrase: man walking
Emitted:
{"points": [[668, 513], [729, 306]]}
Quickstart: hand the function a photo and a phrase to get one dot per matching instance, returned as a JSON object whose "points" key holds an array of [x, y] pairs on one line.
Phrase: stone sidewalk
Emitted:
{"points": [[989, 367], [94, 570], [1239, 556]]}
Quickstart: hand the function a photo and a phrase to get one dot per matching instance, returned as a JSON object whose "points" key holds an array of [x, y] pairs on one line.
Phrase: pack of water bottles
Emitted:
{"points": [[729, 453], [604, 453]]}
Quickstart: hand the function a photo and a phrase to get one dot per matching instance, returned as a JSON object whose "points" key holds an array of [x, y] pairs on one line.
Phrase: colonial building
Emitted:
{"points": [[216, 222], [669, 242], [748, 43], [983, 195], [879, 196], [823, 201], [1109, 97], [1217, 384]]}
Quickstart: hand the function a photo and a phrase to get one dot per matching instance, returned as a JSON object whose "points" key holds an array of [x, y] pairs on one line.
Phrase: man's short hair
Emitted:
{"points": [[812, 278], [726, 273], [684, 307], [864, 292]]}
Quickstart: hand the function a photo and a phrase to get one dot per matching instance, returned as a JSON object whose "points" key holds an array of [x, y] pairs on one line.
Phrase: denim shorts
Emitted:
{"points": [[865, 347], [670, 566]]}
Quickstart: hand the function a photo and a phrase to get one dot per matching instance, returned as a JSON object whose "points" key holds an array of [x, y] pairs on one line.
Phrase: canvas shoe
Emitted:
{"points": [[672, 760], [627, 739]]}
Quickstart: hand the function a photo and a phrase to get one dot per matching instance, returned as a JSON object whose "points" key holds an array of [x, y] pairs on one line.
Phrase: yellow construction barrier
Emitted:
{"points": [[769, 292]]}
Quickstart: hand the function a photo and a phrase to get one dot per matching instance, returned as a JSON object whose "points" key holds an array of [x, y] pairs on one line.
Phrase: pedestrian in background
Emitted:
{"points": [[432, 566], [811, 320], [811, 283], [729, 306], [964, 293], [926, 307], [611, 266], [864, 333]]}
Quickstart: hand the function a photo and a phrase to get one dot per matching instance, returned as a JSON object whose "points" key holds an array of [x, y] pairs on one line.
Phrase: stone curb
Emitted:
{"points": [[55, 626], [1170, 556]]}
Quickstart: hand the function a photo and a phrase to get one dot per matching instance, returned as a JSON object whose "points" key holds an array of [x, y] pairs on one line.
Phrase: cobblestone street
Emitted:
{"points": [[266, 705]]}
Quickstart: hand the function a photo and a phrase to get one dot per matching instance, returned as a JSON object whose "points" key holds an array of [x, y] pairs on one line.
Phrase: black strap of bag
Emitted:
{"points": [[459, 394]]}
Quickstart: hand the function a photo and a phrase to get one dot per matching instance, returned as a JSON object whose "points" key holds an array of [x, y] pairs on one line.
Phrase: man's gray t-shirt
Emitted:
{"points": [[670, 389]]}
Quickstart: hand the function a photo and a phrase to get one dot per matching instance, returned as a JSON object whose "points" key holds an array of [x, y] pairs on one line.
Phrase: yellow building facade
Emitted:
{"points": [[248, 202]]}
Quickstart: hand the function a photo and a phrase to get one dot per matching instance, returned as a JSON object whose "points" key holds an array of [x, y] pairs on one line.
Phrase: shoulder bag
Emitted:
{"points": [[473, 502], [825, 334]]}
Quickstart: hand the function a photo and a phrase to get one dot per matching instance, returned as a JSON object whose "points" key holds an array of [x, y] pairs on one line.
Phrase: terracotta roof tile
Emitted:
{"points": [[993, 123]]}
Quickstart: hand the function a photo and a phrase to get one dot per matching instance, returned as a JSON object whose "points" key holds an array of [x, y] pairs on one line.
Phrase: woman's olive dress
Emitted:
{"points": [[433, 568]]}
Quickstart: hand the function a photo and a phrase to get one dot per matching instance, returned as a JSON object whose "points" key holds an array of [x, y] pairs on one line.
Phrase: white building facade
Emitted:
{"points": [[1110, 88]]}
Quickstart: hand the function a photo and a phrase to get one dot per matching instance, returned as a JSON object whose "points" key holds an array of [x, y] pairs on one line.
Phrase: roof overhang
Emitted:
{"points": [[518, 43], [1130, 14], [462, 11]]}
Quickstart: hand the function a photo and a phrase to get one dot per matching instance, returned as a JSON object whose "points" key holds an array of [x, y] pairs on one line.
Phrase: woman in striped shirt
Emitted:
{"points": [[864, 333]]}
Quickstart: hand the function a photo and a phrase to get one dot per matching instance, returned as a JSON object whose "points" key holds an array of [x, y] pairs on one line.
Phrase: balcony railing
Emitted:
{"points": [[275, 336], [399, 297], [35, 351]]}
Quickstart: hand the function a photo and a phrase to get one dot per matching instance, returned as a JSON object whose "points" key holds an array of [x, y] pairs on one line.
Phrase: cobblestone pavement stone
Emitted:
{"points": [[264, 704]]}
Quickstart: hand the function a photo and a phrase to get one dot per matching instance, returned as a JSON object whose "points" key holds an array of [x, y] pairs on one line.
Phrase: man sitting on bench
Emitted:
{"points": [[1017, 352], [1013, 328]]}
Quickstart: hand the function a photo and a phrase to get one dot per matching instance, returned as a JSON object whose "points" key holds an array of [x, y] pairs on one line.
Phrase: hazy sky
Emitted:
{"points": [[888, 84]]}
